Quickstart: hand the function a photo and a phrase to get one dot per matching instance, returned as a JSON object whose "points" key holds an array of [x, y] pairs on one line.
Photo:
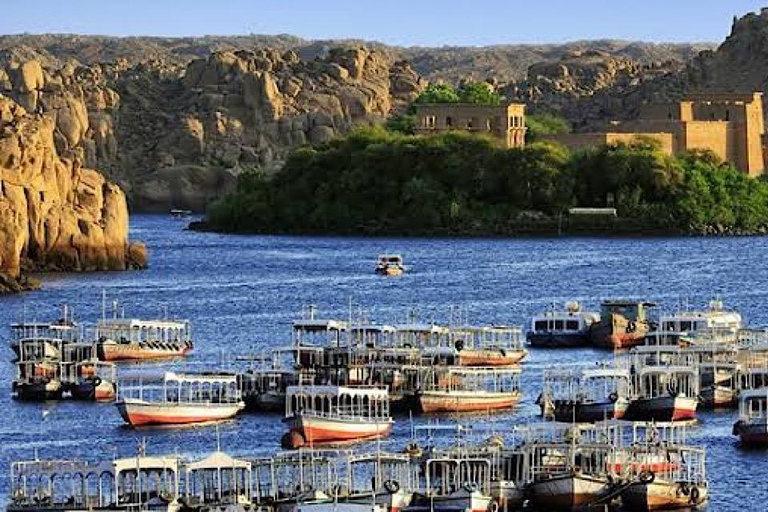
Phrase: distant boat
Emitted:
{"points": [[131, 339], [562, 328], [390, 265], [177, 213]]}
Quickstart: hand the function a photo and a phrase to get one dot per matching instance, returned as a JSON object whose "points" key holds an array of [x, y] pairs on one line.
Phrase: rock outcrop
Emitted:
{"points": [[56, 214], [591, 87], [177, 136]]}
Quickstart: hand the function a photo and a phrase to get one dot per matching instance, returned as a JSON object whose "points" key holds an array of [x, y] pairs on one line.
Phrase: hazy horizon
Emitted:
{"points": [[399, 23]]}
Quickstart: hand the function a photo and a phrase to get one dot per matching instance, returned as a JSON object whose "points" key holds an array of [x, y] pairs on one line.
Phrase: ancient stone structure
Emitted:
{"points": [[506, 121], [728, 124], [55, 214]]}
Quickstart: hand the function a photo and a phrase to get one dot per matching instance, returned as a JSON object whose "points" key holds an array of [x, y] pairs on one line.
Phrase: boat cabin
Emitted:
{"points": [[338, 402], [753, 405], [664, 381], [143, 480], [218, 479], [181, 388], [133, 330]]}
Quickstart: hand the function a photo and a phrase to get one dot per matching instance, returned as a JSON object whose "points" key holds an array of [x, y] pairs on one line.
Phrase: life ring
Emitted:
{"points": [[494, 507], [646, 477], [96, 381], [631, 326], [695, 495], [684, 489], [470, 486], [392, 486], [459, 345], [613, 397]]}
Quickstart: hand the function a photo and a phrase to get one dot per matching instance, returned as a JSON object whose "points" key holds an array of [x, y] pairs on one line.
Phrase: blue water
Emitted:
{"points": [[241, 293]]}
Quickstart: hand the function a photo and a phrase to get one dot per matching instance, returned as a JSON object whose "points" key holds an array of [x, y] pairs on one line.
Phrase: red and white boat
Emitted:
{"points": [[664, 393], [752, 426], [121, 339], [460, 389], [180, 399], [331, 415]]}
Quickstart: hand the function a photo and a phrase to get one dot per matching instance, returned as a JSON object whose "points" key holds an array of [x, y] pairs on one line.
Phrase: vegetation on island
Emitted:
{"points": [[379, 181]]}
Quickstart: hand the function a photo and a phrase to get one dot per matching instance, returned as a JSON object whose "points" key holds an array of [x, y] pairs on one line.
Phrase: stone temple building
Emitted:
{"points": [[505, 121], [729, 124]]}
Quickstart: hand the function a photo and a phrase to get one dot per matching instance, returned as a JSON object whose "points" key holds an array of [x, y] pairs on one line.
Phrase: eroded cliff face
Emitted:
{"points": [[178, 135], [56, 214]]}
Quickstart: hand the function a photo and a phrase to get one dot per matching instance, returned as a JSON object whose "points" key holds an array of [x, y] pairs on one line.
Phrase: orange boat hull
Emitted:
{"points": [[141, 352], [469, 357], [457, 401], [316, 430]]}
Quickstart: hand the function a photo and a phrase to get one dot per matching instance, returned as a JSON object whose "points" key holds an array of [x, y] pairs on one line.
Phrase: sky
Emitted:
{"points": [[398, 22]]}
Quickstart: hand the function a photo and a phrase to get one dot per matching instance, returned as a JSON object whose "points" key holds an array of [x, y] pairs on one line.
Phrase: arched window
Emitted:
{"points": [[449, 121]]}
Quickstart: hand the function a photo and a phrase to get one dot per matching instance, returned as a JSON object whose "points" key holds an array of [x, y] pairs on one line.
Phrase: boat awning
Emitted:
{"points": [[200, 377], [422, 328], [219, 460], [369, 392], [170, 462], [135, 323], [319, 325]]}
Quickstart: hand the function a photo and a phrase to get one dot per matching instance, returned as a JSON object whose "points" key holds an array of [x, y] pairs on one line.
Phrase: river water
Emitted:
{"points": [[242, 292]]}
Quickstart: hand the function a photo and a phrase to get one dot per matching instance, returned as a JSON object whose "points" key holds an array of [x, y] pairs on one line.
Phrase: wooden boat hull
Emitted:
{"points": [[663, 408], [566, 492], [269, 401], [616, 333], [473, 357], [141, 351], [138, 412], [462, 500], [752, 433], [719, 397], [554, 340], [590, 412], [663, 495], [105, 391], [466, 401], [39, 391], [316, 430]]}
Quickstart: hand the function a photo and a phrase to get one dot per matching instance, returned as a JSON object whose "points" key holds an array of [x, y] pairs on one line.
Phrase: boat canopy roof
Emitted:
{"points": [[170, 462], [752, 394], [135, 323], [372, 328], [424, 328], [371, 392], [319, 325], [200, 377], [605, 373], [622, 302], [218, 460], [667, 369]]}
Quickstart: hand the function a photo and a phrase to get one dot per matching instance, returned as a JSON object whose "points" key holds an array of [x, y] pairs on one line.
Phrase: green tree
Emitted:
{"points": [[438, 93], [481, 93], [545, 124]]}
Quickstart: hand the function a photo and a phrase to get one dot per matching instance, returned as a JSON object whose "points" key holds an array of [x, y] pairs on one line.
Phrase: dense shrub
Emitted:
{"points": [[379, 181]]}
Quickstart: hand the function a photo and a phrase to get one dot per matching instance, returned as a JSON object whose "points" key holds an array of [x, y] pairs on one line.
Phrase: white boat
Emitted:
{"points": [[331, 415], [133, 339], [664, 393], [179, 399], [565, 328], [461, 389], [585, 396], [752, 425], [488, 345], [715, 320]]}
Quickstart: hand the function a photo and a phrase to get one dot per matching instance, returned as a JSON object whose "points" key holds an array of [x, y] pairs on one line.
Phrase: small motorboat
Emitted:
{"points": [[390, 265]]}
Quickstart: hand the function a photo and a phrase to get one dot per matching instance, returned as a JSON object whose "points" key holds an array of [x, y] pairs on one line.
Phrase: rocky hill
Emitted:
{"points": [[56, 214]]}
